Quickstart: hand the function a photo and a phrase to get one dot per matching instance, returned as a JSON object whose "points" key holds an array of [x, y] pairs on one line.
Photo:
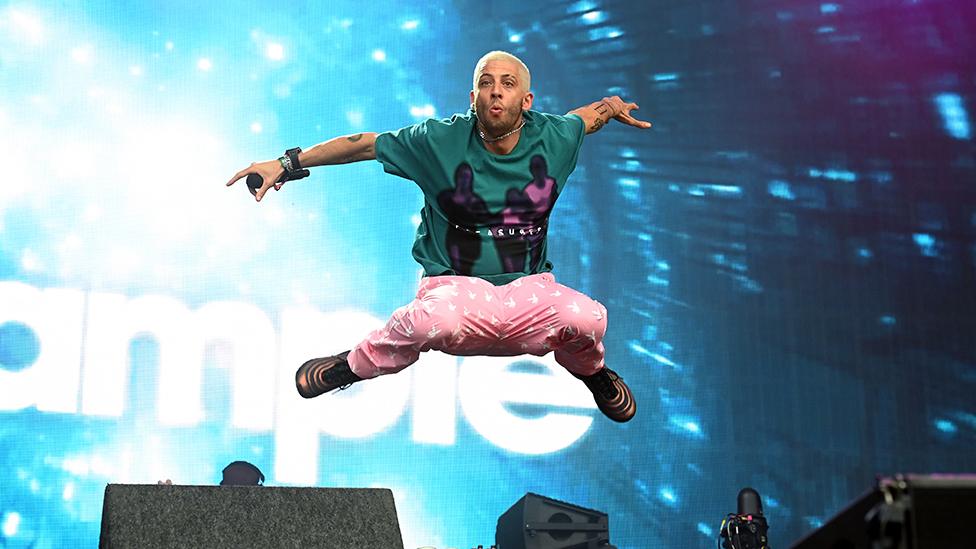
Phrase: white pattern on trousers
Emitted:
{"points": [[466, 316]]}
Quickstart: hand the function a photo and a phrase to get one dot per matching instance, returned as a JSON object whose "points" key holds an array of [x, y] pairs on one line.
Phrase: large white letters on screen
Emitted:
{"points": [[84, 349], [182, 336], [51, 383], [253, 343], [365, 409], [486, 385], [112, 322], [435, 399]]}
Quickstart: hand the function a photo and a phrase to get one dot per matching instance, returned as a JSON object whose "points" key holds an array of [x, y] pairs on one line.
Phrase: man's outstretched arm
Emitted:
{"points": [[597, 114], [340, 150]]}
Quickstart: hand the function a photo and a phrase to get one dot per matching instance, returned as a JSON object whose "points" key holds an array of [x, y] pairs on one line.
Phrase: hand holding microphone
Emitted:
{"points": [[255, 182], [277, 172]]}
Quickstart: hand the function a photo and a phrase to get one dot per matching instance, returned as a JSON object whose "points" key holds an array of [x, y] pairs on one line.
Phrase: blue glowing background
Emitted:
{"points": [[788, 257]]}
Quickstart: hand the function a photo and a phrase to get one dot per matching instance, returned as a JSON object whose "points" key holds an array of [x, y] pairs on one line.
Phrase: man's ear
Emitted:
{"points": [[527, 101], [472, 98]]}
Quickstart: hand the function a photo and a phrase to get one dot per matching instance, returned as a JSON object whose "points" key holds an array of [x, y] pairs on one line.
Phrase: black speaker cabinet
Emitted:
{"points": [[538, 522], [154, 516], [904, 512]]}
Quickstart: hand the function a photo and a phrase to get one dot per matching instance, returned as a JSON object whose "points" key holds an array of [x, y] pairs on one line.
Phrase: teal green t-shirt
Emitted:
{"points": [[484, 214]]}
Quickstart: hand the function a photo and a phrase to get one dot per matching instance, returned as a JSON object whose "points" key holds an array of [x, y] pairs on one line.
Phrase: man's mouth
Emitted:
{"points": [[495, 109]]}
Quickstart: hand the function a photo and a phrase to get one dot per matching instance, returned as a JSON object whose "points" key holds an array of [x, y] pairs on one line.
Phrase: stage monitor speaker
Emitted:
{"points": [[538, 522], [903, 512], [157, 517]]}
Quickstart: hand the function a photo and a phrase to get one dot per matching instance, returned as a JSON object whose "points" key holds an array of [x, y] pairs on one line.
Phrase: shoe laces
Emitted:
{"points": [[338, 374], [341, 376], [603, 381]]}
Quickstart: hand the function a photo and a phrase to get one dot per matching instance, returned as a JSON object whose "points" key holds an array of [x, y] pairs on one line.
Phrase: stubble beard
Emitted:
{"points": [[504, 124]]}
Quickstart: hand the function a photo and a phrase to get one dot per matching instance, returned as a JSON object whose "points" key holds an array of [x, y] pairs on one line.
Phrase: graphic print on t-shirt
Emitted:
{"points": [[464, 209], [523, 220], [518, 230]]}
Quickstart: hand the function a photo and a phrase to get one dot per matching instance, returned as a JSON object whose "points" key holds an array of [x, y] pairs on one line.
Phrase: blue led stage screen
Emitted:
{"points": [[788, 258]]}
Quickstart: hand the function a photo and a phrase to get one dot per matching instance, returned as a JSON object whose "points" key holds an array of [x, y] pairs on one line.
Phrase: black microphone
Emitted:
{"points": [[254, 182], [749, 502], [746, 529]]}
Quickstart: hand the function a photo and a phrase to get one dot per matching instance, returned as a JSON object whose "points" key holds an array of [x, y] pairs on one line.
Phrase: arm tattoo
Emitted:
{"points": [[603, 109], [354, 138]]}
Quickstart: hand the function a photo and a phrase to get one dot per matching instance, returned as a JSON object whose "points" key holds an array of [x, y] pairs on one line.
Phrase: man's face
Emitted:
{"points": [[500, 97]]}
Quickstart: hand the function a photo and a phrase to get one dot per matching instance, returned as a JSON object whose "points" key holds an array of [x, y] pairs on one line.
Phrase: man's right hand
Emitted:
{"points": [[339, 150], [270, 171]]}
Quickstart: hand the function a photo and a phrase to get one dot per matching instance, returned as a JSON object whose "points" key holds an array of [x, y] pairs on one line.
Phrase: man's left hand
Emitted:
{"points": [[620, 111]]}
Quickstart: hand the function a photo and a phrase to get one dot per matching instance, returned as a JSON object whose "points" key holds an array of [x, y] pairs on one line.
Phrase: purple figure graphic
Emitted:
{"points": [[524, 220], [519, 230], [466, 211]]}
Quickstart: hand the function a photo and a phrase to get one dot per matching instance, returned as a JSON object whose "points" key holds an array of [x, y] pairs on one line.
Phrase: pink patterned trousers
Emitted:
{"points": [[461, 315]]}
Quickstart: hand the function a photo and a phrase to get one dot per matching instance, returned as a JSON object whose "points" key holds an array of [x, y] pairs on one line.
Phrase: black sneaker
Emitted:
{"points": [[611, 394], [321, 375]]}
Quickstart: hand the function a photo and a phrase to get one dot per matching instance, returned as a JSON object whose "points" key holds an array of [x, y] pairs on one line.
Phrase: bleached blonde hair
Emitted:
{"points": [[525, 79]]}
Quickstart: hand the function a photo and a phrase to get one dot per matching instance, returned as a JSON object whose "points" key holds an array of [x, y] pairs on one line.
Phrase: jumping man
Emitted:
{"points": [[490, 179]]}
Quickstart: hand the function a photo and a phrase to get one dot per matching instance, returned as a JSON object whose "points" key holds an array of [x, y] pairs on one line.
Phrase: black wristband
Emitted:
{"points": [[293, 168], [292, 155]]}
